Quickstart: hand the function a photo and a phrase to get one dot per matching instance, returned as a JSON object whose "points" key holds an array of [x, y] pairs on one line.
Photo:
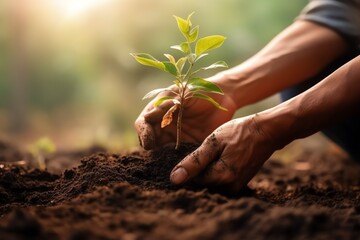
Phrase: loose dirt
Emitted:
{"points": [[129, 196]]}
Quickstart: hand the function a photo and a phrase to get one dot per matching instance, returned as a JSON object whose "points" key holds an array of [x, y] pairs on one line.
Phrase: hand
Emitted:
{"points": [[200, 118], [229, 157]]}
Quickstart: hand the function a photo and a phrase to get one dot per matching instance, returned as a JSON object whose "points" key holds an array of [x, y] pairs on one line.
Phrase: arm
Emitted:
{"points": [[298, 53], [235, 151], [330, 101]]}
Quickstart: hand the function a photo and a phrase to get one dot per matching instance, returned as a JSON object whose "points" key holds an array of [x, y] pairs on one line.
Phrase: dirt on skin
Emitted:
{"points": [[129, 196]]}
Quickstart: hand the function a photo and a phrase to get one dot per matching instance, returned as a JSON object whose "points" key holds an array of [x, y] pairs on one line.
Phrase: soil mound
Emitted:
{"points": [[129, 196]]}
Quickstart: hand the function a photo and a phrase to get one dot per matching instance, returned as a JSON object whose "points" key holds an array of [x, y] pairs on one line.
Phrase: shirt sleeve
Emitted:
{"points": [[343, 16]]}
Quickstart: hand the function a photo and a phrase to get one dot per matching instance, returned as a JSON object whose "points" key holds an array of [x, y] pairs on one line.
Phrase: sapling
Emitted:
{"points": [[183, 71]]}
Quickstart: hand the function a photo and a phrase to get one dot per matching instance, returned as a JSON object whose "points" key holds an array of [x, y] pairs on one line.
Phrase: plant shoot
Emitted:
{"points": [[183, 73]]}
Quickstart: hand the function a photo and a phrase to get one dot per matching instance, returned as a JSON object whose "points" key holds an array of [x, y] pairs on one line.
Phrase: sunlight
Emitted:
{"points": [[75, 8]]}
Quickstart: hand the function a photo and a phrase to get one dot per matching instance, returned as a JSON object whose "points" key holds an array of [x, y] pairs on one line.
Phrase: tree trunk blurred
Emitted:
{"points": [[18, 15]]}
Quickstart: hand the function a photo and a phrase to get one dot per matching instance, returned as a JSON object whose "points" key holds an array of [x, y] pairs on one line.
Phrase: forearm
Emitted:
{"points": [[296, 54], [333, 99]]}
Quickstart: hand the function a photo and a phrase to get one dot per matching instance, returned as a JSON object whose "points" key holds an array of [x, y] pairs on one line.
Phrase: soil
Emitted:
{"points": [[129, 196]]}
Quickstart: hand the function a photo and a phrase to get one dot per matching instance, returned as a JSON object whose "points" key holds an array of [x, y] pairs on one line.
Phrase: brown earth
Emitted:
{"points": [[129, 196]]}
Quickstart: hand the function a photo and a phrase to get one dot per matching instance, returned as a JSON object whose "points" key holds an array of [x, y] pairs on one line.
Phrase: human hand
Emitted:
{"points": [[200, 118], [229, 157]]}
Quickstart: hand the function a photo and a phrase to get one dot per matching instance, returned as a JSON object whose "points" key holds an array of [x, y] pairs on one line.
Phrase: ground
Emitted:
{"points": [[95, 194]]}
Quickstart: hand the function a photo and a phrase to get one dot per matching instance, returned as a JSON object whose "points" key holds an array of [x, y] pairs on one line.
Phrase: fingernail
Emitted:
{"points": [[179, 176]]}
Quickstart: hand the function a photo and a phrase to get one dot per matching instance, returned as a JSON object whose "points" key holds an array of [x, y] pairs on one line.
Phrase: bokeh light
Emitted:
{"points": [[66, 72]]}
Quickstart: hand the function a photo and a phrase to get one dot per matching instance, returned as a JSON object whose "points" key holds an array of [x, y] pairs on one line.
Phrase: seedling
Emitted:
{"points": [[183, 70], [39, 149]]}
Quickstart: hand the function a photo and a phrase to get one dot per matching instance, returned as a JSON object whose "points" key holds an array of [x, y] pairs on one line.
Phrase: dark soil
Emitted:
{"points": [[129, 196]]}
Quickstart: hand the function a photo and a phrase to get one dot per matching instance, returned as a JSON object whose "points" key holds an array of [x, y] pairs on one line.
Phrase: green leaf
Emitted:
{"points": [[162, 99], [170, 57], [180, 64], [177, 47], [209, 99], [193, 34], [201, 56], [188, 19], [183, 47], [170, 68], [154, 93], [148, 60], [216, 65], [208, 43], [199, 84], [183, 26]]}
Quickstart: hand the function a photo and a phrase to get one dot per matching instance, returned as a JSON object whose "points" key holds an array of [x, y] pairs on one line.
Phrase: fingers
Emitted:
{"points": [[210, 165], [227, 159], [155, 114], [193, 164], [220, 172], [144, 124], [145, 133]]}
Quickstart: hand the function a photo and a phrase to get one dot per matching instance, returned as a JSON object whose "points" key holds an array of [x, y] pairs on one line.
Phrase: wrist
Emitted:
{"points": [[278, 124], [229, 85], [246, 83]]}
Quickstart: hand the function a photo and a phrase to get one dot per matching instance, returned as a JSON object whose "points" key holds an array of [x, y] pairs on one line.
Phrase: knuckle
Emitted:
{"points": [[194, 158], [211, 142], [229, 177], [229, 169], [137, 123]]}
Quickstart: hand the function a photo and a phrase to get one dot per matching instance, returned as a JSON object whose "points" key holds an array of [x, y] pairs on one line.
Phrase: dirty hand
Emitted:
{"points": [[200, 118], [228, 158]]}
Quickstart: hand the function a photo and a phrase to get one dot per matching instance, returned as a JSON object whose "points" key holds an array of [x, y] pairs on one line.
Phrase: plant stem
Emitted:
{"points": [[178, 126], [183, 83]]}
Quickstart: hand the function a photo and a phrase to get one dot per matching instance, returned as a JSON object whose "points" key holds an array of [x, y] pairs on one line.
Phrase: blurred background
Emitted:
{"points": [[66, 72]]}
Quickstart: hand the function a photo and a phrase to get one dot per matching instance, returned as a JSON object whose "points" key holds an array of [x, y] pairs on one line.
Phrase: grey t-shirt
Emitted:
{"points": [[343, 16]]}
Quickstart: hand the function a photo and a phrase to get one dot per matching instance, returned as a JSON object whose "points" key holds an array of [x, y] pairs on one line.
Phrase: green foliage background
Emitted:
{"points": [[80, 86]]}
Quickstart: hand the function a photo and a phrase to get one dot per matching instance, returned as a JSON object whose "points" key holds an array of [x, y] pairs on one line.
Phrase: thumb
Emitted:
{"points": [[156, 114], [193, 164]]}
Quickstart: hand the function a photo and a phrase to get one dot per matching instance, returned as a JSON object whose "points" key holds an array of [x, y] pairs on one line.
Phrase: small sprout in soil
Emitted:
{"points": [[183, 72], [39, 149]]}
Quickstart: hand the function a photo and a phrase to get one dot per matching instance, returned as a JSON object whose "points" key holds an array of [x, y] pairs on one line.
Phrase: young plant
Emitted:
{"points": [[183, 72], [40, 149]]}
